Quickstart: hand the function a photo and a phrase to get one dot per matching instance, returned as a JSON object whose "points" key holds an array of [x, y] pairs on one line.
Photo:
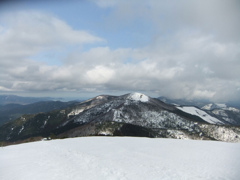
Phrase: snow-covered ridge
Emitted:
{"points": [[214, 106], [138, 97], [75, 112], [207, 107], [232, 109], [200, 113]]}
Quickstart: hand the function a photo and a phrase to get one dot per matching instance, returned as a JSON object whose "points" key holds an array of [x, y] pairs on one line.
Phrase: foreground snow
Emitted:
{"points": [[93, 158]]}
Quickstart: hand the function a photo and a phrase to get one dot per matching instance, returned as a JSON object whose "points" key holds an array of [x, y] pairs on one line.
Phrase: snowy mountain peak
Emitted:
{"points": [[100, 97], [138, 97]]}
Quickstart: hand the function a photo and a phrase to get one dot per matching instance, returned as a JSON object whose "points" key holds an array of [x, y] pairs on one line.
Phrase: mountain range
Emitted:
{"points": [[10, 112], [133, 114], [14, 99]]}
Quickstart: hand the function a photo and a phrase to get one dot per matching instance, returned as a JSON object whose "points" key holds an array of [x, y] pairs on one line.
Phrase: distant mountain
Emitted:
{"points": [[184, 102], [202, 114], [13, 99], [212, 106], [132, 114], [227, 113], [13, 111], [224, 113], [199, 103]]}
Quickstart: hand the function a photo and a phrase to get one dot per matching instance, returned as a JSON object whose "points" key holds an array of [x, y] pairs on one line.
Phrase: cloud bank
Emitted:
{"points": [[194, 51]]}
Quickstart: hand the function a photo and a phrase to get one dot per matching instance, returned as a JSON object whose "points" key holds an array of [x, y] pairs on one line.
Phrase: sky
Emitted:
{"points": [[177, 49]]}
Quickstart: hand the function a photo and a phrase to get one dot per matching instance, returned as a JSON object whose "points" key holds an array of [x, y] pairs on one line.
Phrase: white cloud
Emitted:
{"points": [[4, 89], [203, 94], [99, 75], [26, 33], [190, 56]]}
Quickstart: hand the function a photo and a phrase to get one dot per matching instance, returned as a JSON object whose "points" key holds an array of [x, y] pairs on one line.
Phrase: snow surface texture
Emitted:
{"points": [[197, 112], [138, 97], [120, 158]]}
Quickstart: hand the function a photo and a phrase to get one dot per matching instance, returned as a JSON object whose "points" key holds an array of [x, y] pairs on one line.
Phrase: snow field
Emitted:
{"points": [[120, 158], [197, 112]]}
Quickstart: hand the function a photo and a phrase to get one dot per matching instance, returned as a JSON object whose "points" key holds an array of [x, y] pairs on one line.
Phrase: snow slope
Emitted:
{"points": [[200, 113], [120, 158]]}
